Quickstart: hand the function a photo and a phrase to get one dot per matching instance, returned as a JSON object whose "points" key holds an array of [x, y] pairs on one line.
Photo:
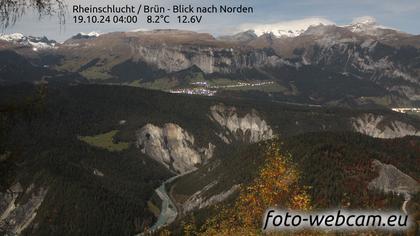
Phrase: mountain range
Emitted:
{"points": [[362, 63]]}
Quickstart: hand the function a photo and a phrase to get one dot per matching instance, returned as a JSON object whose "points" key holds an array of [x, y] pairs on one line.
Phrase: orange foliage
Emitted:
{"points": [[275, 186]]}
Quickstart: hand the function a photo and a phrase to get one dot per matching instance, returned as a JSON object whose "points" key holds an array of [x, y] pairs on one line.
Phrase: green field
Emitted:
{"points": [[159, 84], [105, 141]]}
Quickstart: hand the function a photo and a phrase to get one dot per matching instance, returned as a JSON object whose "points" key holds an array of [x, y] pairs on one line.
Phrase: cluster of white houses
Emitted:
{"points": [[406, 109]]}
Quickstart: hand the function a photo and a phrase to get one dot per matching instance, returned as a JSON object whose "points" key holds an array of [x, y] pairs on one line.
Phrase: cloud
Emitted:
{"points": [[288, 28], [371, 21], [364, 20], [139, 30]]}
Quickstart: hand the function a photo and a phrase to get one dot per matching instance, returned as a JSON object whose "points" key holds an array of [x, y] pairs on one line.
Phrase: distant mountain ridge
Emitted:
{"points": [[357, 64], [289, 29], [31, 41]]}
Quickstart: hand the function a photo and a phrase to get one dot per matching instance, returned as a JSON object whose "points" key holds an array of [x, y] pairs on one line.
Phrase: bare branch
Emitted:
{"points": [[12, 10]]}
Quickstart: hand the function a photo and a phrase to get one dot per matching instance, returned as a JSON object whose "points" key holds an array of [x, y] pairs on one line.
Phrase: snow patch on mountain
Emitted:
{"points": [[91, 34], [12, 37], [363, 25], [366, 25], [240, 37], [366, 20], [139, 30]]}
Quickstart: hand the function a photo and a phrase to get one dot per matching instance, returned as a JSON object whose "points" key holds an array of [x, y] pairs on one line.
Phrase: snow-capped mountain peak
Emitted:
{"points": [[285, 28], [364, 24], [240, 37], [12, 37], [90, 35], [31, 41], [364, 20], [369, 26]]}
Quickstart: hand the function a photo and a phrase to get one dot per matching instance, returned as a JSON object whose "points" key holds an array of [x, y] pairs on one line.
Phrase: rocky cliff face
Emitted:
{"points": [[16, 216], [208, 59], [172, 146], [363, 52], [199, 200], [376, 126], [168, 50], [250, 128], [369, 56], [392, 180], [366, 58]]}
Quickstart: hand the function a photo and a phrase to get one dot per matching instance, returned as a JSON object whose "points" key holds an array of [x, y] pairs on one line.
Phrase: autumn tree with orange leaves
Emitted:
{"points": [[275, 186]]}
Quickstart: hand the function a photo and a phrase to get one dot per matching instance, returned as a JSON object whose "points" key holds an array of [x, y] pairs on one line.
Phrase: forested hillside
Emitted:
{"points": [[315, 171], [71, 154]]}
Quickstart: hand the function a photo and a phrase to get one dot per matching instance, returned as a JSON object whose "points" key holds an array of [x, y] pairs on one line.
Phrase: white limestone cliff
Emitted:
{"points": [[392, 180], [172, 146], [376, 126], [208, 59], [16, 216], [250, 128]]}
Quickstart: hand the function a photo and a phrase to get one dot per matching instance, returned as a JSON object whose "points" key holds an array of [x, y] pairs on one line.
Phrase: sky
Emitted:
{"points": [[402, 14]]}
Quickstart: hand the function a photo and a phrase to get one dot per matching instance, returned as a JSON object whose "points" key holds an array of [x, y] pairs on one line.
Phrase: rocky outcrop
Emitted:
{"points": [[17, 216], [198, 200], [98, 173], [376, 126], [360, 49], [208, 59], [392, 180], [172, 146], [7, 200], [250, 128]]}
